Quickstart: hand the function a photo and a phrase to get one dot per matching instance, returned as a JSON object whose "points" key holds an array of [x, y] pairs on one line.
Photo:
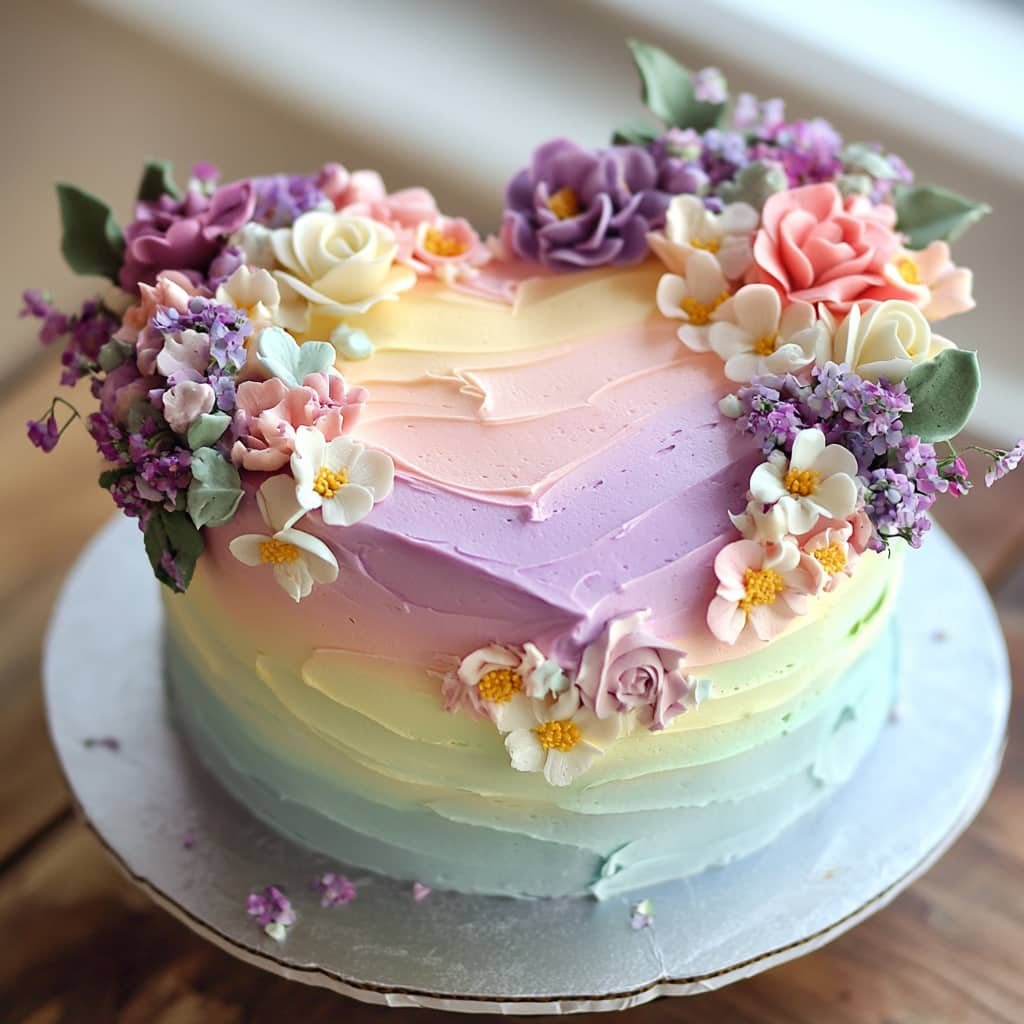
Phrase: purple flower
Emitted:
{"points": [[282, 198], [335, 890], [224, 264], [627, 669], [44, 434], [574, 208], [420, 891], [709, 86], [186, 234], [957, 476], [1005, 464], [270, 906], [54, 322]]}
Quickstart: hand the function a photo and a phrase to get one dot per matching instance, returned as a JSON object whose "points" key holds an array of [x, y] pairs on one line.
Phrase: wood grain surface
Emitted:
{"points": [[80, 944]]}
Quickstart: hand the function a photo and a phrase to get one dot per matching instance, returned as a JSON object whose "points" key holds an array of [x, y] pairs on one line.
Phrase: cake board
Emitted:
{"points": [[198, 853]]}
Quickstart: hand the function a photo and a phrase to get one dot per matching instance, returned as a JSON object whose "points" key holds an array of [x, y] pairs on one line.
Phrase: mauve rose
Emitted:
{"points": [[268, 413], [628, 669], [185, 235], [814, 246]]}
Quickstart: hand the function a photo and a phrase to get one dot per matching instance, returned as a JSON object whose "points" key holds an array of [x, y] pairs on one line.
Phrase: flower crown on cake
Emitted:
{"points": [[813, 270]]}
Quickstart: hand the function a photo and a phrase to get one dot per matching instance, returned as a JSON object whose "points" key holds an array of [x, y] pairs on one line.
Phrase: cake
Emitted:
{"points": [[557, 563]]}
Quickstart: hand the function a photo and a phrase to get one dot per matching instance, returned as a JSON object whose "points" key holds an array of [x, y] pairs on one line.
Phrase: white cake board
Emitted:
{"points": [[919, 788]]}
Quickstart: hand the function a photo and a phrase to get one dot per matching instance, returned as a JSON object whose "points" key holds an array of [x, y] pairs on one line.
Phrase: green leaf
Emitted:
{"points": [[944, 392], [755, 184], [92, 242], [860, 158], [173, 533], [853, 184], [927, 212], [109, 477], [634, 133], [215, 490], [158, 180], [668, 91], [207, 429], [114, 353], [285, 358]]}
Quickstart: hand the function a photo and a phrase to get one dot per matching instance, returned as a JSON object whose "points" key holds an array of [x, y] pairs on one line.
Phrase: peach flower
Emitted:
{"points": [[173, 289], [450, 248], [268, 414], [817, 247], [760, 585], [940, 287], [832, 549]]}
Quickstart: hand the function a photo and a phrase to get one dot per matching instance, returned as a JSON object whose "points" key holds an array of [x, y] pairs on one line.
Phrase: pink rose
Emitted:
{"points": [[172, 291], [627, 669], [269, 412], [814, 246]]}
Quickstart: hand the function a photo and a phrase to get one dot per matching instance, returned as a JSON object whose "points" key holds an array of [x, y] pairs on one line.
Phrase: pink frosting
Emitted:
{"points": [[268, 413], [815, 246]]}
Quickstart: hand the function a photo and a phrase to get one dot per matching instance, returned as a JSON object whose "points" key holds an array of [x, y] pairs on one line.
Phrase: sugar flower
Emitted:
{"points": [[172, 290], [818, 480], [756, 336], [272, 909], [760, 585], [185, 402], [628, 670], [298, 559], [690, 226], [766, 524], [813, 245], [488, 679], [832, 549], [887, 341], [254, 291], [420, 892], [340, 477], [695, 298], [561, 738], [184, 355], [450, 248], [939, 286], [1005, 464], [170, 234], [336, 265], [335, 890], [268, 414], [573, 208]]}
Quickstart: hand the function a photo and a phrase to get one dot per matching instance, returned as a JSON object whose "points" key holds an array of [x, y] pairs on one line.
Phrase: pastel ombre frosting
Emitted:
{"points": [[560, 461]]}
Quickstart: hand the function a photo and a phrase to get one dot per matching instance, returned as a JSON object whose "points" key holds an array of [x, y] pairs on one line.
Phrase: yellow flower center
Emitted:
{"points": [[909, 270], [711, 245], [437, 242], [802, 482], [278, 552], [766, 346], [328, 482], [699, 313], [832, 558], [564, 204], [561, 736], [499, 685], [760, 586]]}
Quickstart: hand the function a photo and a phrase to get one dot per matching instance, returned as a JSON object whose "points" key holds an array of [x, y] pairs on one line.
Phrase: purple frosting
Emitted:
{"points": [[186, 234], [574, 208]]}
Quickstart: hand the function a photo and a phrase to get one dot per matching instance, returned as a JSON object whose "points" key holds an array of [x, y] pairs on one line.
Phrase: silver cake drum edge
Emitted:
{"points": [[142, 832]]}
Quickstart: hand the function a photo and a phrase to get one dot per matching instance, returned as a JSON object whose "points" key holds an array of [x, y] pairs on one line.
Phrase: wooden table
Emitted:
{"points": [[79, 944]]}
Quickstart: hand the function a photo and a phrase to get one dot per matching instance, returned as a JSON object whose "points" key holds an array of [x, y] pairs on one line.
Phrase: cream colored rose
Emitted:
{"points": [[335, 264], [888, 340]]}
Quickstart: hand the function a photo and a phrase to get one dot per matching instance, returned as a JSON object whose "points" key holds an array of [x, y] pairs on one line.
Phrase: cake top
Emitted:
{"points": [[314, 349]]}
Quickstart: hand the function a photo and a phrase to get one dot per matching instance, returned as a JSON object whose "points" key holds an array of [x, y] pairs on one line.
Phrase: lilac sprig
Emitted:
{"points": [[900, 476], [46, 432], [87, 331], [272, 909], [335, 890]]}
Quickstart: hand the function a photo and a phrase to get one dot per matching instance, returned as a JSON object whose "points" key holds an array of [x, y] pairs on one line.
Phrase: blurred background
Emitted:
{"points": [[455, 93]]}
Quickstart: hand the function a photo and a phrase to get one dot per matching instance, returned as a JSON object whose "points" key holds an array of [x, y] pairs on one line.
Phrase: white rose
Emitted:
{"points": [[335, 264], [888, 341]]}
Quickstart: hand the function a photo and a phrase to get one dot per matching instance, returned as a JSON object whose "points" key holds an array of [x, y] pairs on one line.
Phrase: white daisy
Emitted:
{"points": [[341, 477], [560, 738], [298, 559], [755, 336], [690, 226], [694, 298], [819, 480]]}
